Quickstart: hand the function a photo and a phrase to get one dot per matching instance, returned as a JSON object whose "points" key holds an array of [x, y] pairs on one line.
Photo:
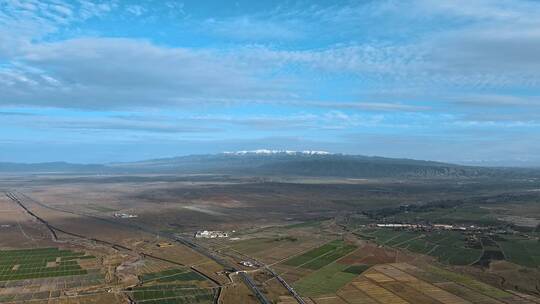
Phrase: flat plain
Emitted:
{"points": [[114, 239]]}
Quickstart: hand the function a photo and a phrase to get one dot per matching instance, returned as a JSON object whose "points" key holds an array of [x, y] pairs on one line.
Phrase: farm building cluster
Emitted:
{"points": [[211, 234], [125, 215]]}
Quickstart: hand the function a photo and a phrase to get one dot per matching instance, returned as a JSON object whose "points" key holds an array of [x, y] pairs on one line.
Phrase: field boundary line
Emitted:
{"points": [[187, 288], [457, 283], [164, 298], [408, 240], [167, 276], [296, 254], [319, 256], [394, 237]]}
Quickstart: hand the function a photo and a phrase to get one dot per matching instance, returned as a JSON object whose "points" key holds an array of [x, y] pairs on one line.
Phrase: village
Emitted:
{"points": [[208, 234], [125, 215], [469, 230], [428, 227]]}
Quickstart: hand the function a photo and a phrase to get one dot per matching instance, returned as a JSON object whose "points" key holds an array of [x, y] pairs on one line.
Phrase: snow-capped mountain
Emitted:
{"points": [[265, 162], [273, 152]]}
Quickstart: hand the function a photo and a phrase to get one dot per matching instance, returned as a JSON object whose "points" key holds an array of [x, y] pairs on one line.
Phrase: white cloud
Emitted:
{"points": [[494, 48], [136, 10], [251, 28], [108, 73]]}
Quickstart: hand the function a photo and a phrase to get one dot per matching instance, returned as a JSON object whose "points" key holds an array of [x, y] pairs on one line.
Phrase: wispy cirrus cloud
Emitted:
{"points": [[371, 106]]}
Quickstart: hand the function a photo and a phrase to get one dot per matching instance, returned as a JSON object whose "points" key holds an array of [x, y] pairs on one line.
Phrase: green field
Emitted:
{"points": [[172, 275], [32, 263], [469, 282], [170, 293], [356, 269], [326, 280], [321, 256], [521, 251], [448, 246]]}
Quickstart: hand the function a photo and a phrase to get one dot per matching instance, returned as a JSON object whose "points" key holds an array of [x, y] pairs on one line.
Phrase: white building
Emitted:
{"points": [[211, 234], [247, 263], [125, 215]]}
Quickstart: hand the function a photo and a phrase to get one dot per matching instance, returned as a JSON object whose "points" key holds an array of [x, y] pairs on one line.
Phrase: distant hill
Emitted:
{"points": [[52, 167], [308, 163], [288, 163]]}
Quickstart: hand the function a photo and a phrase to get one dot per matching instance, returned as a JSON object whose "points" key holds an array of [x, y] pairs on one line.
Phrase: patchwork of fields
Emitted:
{"points": [[319, 257], [326, 275], [172, 294], [448, 246], [43, 274], [172, 275], [176, 285], [451, 247], [347, 277], [324, 281], [402, 283], [40, 263]]}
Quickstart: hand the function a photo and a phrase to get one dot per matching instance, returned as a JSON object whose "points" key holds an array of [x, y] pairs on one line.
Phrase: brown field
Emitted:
{"points": [[18, 229], [237, 293], [377, 292], [291, 274], [507, 276], [275, 245], [466, 293], [372, 254], [330, 300], [355, 296]]}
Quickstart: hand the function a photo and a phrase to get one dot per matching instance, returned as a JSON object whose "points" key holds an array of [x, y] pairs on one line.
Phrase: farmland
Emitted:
{"points": [[327, 279], [325, 254], [174, 285], [521, 251], [52, 268], [403, 283], [170, 293], [448, 246], [321, 256], [172, 275], [39, 263]]}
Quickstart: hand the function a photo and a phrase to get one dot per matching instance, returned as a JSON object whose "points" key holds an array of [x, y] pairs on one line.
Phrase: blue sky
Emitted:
{"points": [[100, 81]]}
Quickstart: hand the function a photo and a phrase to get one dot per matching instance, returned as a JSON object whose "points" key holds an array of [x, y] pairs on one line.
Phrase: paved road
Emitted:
{"points": [[245, 277], [286, 285]]}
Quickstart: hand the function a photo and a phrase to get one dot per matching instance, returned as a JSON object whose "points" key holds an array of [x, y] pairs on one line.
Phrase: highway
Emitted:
{"points": [[228, 266], [274, 274], [286, 285]]}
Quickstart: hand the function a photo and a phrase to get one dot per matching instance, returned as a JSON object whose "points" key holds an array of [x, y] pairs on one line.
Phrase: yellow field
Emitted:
{"points": [[379, 293], [437, 293]]}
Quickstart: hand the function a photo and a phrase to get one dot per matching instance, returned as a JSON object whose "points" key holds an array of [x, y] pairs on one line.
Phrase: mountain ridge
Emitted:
{"points": [[280, 162]]}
